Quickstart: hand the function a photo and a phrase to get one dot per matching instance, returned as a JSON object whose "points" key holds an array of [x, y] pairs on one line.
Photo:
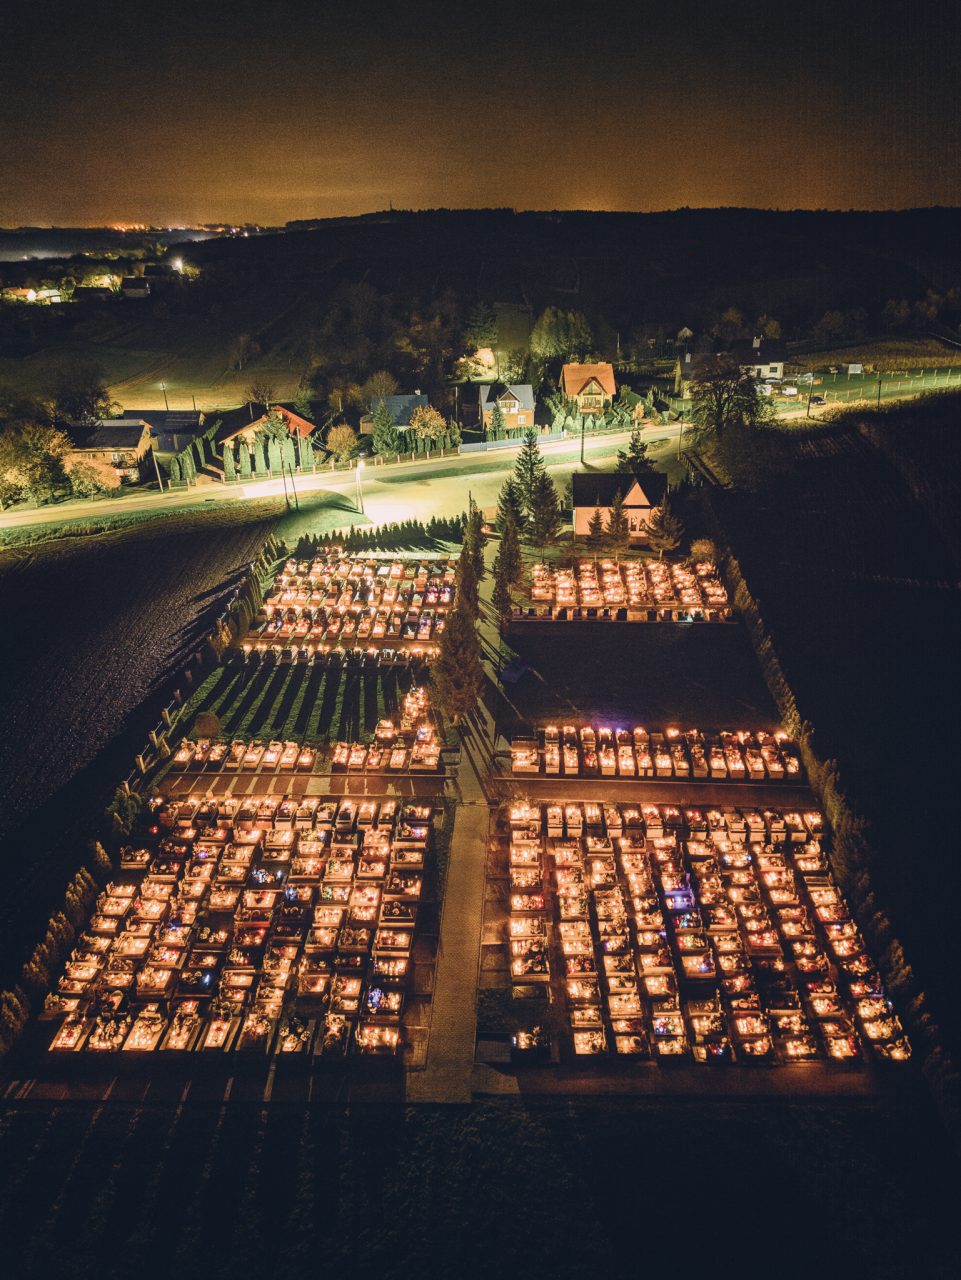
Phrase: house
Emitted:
{"points": [[689, 367], [597, 492], [591, 385], [516, 403], [93, 293], [135, 287], [251, 419], [760, 357], [171, 430], [120, 443], [401, 408]]}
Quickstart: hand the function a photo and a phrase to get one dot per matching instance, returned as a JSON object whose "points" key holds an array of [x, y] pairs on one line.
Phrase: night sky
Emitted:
{"points": [[266, 112]]}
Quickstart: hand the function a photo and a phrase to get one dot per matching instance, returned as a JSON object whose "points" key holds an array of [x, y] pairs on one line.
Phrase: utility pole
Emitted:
{"points": [[163, 388], [156, 468], [293, 488], [582, 439], [879, 393]]}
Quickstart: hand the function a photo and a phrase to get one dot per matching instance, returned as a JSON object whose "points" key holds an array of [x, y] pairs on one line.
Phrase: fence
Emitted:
{"points": [[486, 446]]}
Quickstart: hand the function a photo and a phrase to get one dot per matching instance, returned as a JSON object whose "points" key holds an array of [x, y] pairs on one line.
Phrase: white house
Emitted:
{"points": [[596, 493]]}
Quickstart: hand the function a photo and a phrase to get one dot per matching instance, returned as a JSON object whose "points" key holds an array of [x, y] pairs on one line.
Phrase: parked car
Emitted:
{"points": [[818, 400]]}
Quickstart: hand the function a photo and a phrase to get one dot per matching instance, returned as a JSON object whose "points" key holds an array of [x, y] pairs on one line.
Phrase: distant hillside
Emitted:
{"points": [[677, 267]]}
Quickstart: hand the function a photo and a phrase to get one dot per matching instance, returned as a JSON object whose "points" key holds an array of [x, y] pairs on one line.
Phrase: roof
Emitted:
{"points": [[401, 407], [575, 377], [522, 392], [135, 282], [597, 489], [116, 433], [767, 352], [694, 364], [252, 418]]}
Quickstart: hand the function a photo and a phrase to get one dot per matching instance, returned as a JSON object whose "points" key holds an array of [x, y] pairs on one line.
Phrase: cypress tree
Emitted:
{"points": [[288, 452], [230, 468], [501, 596], [175, 476], [510, 553], [467, 594], [260, 467], [273, 455], [307, 454], [497, 422], [457, 671], [244, 461]]}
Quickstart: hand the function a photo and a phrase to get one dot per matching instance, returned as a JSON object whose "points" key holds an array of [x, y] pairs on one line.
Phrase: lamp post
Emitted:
{"points": [[360, 494]]}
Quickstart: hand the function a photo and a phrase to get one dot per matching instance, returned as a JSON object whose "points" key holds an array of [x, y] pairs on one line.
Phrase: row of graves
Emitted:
{"points": [[680, 934], [252, 925], [590, 751], [337, 602], [636, 590], [408, 745]]}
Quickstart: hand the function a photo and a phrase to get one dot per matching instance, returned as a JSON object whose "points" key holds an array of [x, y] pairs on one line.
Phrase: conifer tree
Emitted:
{"points": [[617, 534], [528, 468], [260, 466], [230, 469], [501, 596], [634, 458], [510, 553], [509, 502], [545, 520], [457, 671], [467, 595], [244, 461], [595, 530], [386, 437], [497, 422], [664, 529]]}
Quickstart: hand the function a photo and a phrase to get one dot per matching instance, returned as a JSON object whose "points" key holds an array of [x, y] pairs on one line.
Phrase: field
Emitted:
{"points": [[94, 629], [177, 1182], [885, 354], [857, 584]]}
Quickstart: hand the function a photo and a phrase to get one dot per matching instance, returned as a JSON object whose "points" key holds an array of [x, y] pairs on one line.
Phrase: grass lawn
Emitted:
{"points": [[300, 702]]}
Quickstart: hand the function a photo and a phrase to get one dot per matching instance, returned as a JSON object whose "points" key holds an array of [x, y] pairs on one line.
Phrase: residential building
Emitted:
{"points": [[515, 400], [401, 408], [135, 287], [760, 357], [121, 443], [249, 420], [597, 492], [592, 386]]}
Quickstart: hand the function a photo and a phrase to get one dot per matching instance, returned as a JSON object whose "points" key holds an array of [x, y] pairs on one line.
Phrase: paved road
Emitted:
{"points": [[392, 492]]}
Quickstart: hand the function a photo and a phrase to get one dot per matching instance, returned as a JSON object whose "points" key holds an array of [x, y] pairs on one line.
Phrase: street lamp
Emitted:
{"points": [[360, 495]]}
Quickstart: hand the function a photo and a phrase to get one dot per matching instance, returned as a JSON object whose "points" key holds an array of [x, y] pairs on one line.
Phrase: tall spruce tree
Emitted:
{"points": [[244, 460], [664, 529], [634, 459], [509, 503], [386, 437], [545, 522], [457, 671], [617, 535], [230, 468], [528, 469], [595, 531]]}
